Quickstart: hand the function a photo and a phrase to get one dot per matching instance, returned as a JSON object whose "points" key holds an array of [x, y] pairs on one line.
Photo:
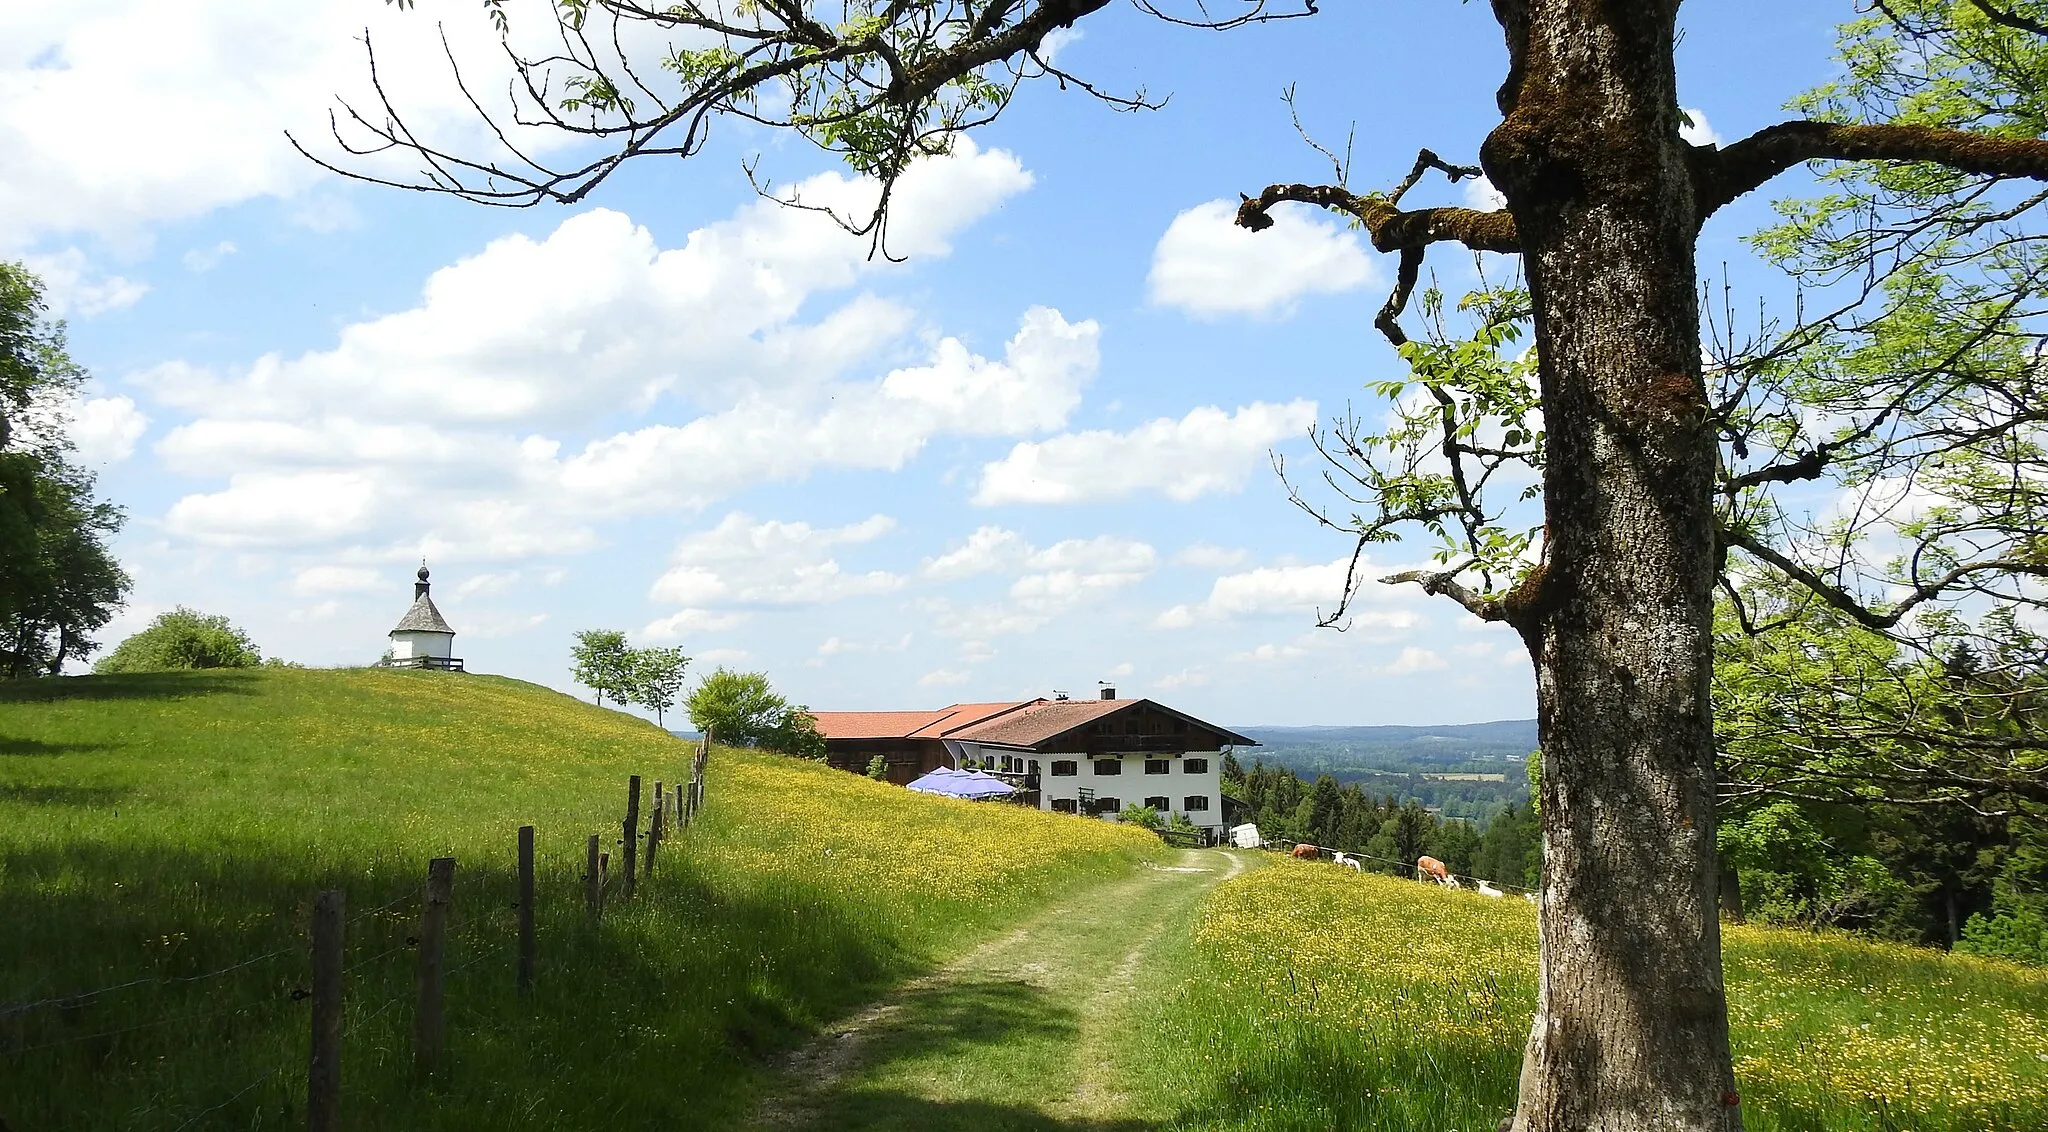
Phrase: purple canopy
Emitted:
{"points": [[971, 784]]}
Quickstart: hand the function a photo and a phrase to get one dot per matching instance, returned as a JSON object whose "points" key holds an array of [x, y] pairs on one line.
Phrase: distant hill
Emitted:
{"points": [[1467, 770], [1400, 748]]}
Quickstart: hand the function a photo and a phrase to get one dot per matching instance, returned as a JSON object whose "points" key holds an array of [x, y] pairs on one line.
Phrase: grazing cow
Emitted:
{"points": [[1433, 869], [1306, 852], [1350, 863]]}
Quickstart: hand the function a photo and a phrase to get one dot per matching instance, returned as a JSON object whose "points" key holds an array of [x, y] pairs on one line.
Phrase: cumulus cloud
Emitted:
{"points": [[340, 579], [943, 677], [73, 288], [1206, 265], [1298, 590], [477, 419], [187, 102], [104, 429], [1206, 451], [743, 563], [1699, 132], [1480, 194], [1207, 556], [1411, 661], [691, 623]]}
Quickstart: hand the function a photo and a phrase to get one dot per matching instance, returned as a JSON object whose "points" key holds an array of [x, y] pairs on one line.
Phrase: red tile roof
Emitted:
{"points": [[872, 724], [1022, 723]]}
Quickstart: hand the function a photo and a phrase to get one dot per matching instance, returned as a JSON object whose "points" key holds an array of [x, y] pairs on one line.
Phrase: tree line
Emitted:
{"points": [[59, 583], [739, 708], [1393, 831]]}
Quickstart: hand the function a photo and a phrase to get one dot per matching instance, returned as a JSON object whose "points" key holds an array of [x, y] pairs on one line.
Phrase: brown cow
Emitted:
{"points": [[1306, 852], [1432, 869]]}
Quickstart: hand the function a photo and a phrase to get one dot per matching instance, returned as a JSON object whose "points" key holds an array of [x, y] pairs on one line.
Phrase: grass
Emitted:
{"points": [[154, 828], [1315, 998]]}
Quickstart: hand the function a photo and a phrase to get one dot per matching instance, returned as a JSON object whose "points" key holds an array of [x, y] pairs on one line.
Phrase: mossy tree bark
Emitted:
{"points": [[1631, 1029]]}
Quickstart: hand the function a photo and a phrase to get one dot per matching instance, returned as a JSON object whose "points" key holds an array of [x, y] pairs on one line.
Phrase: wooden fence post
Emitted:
{"points": [[632, 827], [593, 880], [526, 909], [654, 833], [428, 1030], [323, 1070]]}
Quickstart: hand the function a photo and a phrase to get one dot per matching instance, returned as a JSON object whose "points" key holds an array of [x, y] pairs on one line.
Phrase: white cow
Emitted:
{"points": [[1486, 889], [1350, 862]]}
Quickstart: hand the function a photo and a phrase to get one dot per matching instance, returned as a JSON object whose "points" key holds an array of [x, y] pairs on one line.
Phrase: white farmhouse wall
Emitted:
{"points": [[410, 643], [1131, 785]]}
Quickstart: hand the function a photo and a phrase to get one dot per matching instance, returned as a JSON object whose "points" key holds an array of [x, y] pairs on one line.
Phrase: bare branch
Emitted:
{"points": [[1390, 227]]}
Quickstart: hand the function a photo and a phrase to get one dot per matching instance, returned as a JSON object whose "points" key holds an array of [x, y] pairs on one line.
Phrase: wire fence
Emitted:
{"points": [[481, 940], [1408, 867]]}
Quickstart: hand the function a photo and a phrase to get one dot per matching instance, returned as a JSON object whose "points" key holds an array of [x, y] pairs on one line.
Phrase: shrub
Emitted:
{"points": [[182, 639], [1143, 816]]}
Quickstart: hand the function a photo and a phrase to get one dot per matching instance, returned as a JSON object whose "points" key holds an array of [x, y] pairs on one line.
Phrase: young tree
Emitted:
{"points": [[658, 679], [601, 661], [182, 639], [1604, 203], [741, 708]]}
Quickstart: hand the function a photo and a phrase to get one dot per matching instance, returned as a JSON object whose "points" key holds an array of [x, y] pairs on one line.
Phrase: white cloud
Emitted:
{"points": [[1206, 556], [1298, 590], [743, 563], [988, 550], [1185, 678], [712, 658], [474, 420], [1205, 264], [105, 429], [1412, 660], [686, 623], [122, 115], [487, 583], [206, 259], [1205, 451], [1480, 194], [1269, 653], [270, 509], [340, 579], [942, 677], [1699, 132], [72, 287]]}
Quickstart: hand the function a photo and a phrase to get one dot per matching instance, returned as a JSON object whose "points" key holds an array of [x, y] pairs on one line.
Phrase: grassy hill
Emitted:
{"points": [[157, 829], [1317, 998]]}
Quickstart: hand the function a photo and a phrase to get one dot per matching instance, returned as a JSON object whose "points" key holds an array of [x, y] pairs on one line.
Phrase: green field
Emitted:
{"points": [[162, 837], [156, 828], [1312, 998]]}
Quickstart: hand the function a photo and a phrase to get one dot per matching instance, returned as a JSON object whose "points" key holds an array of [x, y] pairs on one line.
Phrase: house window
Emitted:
{"points": [[1109, 766], [1195, 766], [1109, 805], [1196, 802], [1160, 803], [1034, 766], [1157, 766], [1065, 768], [1065, 806]]}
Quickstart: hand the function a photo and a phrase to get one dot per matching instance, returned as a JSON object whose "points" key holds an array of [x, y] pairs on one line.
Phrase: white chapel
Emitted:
{"points": [[422, 638]]}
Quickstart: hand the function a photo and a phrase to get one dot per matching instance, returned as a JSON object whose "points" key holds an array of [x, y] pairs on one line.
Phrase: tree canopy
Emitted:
{"points": [[182, 639], [743, 708], [59, 582]]}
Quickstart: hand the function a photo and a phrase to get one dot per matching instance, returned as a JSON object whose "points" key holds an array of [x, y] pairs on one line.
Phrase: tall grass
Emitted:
{"points": [[157, 828], [1318, 999]]}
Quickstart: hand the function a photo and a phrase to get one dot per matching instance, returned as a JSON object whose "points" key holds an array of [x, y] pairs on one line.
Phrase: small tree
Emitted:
{"points": [[741, 708], [658, 679], [603, 663], [1142, 816], [878, 768], [182, 639]]}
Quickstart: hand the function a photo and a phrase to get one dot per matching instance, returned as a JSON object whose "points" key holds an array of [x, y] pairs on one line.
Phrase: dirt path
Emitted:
{"points": [[1017, 1034]]}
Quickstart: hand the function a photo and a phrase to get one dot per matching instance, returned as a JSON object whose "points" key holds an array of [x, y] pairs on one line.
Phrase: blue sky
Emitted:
{"points": [[1033, 457]]}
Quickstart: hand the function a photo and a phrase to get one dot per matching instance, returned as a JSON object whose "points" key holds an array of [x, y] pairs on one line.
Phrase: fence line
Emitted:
{"points": [[333, 1021], [1409, 866]]}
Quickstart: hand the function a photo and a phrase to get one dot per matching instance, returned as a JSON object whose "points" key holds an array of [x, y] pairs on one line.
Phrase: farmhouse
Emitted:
{"points": [[1071, 756]]}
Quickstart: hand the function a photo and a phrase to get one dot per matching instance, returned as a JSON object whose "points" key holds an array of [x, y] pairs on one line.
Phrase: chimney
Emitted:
{"points": [[1109, 693]]}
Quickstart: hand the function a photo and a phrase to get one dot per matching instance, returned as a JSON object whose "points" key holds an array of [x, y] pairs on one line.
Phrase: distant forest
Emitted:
{"points": [[1427, 765]]}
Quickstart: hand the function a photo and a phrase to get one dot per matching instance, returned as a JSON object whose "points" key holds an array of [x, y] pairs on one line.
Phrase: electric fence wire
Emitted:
{"points": [[1404, 865], [239, 1094], [80, 998], [194, 1016]]}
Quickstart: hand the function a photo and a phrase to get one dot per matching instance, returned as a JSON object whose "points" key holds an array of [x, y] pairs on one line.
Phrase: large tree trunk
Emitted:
{"points": [[1631, 1029]]}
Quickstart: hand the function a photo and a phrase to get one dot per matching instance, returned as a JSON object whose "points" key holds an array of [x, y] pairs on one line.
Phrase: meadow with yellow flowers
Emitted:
{"points": [[1312, 997], [162, 837]]}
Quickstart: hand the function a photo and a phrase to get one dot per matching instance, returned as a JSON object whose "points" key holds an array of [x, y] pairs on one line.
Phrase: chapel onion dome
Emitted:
{"points": [[422, 638]]}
